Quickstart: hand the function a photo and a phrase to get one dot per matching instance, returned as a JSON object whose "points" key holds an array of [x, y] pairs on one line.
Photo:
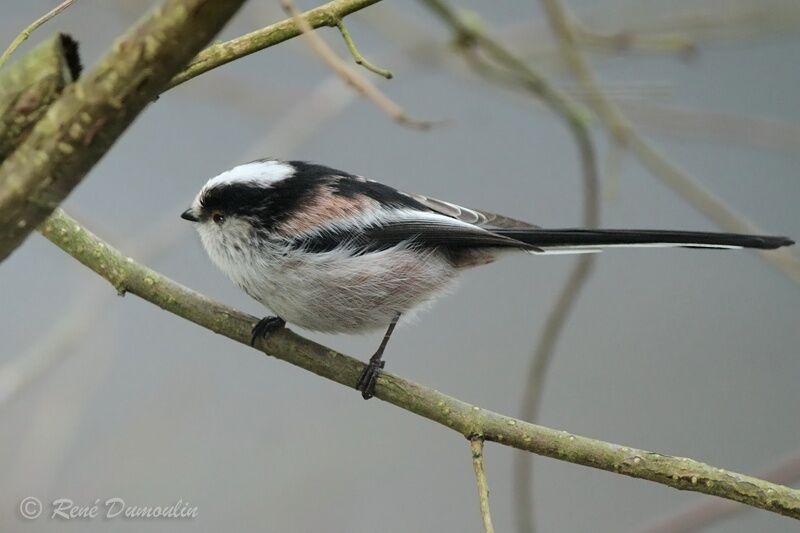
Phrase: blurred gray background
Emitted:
{"points": [[683, 352]]}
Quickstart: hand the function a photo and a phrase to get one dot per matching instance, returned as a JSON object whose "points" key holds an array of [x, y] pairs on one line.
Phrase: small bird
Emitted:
{"points": [[335, 252]]}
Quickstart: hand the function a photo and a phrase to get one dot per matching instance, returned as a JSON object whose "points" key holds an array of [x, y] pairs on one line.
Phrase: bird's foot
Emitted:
{"points": [[265, 326], [366, 383]]}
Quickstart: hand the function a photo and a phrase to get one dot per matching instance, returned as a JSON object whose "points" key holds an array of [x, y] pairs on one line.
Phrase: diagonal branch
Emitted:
{"points": [[681, 473], [707, 511], [329, 14], [81, 126]]}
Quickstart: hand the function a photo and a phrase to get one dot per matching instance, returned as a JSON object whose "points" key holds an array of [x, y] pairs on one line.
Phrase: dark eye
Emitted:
{"points": [[218, 218]]}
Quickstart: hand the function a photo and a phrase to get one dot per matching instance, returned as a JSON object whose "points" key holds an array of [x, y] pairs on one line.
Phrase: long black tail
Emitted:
{"points": [[587, 240]]}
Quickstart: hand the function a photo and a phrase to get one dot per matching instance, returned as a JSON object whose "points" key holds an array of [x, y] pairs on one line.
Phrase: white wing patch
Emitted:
{"points": [[471, 216]]}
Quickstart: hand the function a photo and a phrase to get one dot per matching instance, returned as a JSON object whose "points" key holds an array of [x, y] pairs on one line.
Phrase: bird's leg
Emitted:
{"points": [[265, 326], [366, 383]]}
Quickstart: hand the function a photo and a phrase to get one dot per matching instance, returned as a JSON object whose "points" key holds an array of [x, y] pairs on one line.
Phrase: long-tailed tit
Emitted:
{"points": [[335, 252]]}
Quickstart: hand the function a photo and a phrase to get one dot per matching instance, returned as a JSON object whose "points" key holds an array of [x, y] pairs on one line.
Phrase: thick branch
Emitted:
{"points": [[681, 473], [221, 53], [80, 127], [31, 84]]}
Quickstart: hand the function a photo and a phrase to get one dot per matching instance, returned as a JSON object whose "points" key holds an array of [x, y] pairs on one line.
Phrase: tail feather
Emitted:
{"points": [[587, 240]]}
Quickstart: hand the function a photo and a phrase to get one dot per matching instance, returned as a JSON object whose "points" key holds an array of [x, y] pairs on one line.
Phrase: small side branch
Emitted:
{"points": [[350, 77], [220, 54], [357, 57], [476, 445]]}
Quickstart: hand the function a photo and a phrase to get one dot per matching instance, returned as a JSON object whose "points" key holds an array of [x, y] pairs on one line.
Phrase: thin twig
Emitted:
{"points": [[23, 36], [349, 76], [476, 445], [625, 134], [126, 275], [219, 54], [625, 41], [357, 57]]}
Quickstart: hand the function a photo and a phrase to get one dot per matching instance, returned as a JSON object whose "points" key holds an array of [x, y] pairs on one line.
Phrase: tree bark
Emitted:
{"points": [[82, 125], [31, 84]]}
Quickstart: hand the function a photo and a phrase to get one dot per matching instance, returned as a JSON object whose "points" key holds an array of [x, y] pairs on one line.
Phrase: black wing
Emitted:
{"points": [[427, 231]]}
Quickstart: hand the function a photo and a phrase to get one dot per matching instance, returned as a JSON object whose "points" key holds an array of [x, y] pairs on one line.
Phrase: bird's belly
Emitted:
{"points": [[336, 292]]}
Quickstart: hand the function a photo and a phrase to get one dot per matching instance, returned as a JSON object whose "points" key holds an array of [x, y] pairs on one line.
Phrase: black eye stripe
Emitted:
{"points": [[270, 204]]}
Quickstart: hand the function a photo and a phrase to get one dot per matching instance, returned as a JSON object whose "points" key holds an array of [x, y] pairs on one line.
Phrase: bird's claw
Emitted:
{"points": [[265, 326], [366, 383]]}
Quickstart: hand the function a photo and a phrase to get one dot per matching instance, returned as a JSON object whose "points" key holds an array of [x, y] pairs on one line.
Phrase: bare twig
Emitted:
{"points": [[349, 76], [476, 445], [682, 473], [624, 133], [708, 511], [219, 54], [19, 39], [357, 57]]}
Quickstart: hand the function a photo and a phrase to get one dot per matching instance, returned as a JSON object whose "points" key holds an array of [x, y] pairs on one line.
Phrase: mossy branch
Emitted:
{"points": [[471, 421], [31, 84], [80, 127]]}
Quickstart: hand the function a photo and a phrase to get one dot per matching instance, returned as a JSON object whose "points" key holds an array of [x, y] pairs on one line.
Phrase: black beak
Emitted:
{"points": [[189, 215]]}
